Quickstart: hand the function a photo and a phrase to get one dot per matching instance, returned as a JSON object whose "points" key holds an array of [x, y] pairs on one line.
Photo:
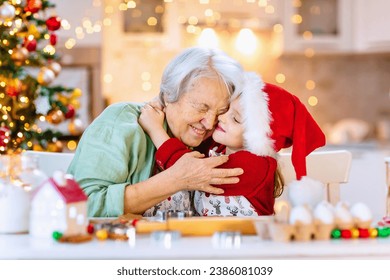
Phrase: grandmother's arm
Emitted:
{"points": [[190, 172]]}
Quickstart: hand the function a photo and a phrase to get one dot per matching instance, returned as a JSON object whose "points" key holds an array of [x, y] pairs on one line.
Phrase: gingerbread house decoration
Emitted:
{"points": [[59, 204]]}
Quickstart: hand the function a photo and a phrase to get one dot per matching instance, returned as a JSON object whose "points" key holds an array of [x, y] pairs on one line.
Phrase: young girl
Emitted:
{"points": [[260, 121]]}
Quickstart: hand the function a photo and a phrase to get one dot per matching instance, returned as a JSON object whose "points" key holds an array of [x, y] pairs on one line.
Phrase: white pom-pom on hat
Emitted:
{"points": [[306, 191]]}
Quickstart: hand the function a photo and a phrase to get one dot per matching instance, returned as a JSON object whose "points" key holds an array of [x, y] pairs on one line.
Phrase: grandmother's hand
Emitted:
{"points": [[194, 172]]}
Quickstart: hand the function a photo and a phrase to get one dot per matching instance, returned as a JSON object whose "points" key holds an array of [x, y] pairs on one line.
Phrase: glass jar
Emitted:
{"points": [[30, 176], [14, 200]]}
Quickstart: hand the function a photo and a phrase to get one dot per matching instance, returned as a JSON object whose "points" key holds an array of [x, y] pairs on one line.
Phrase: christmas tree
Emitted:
{"points": [[27, 45]]}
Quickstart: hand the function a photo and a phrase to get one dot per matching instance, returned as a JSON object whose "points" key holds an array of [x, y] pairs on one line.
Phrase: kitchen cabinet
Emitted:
{"points": [[321, 25], [371, 28], [336, 25]]}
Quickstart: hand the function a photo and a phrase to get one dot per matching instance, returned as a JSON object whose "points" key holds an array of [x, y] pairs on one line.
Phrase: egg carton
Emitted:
{"points": [[283, 232]]}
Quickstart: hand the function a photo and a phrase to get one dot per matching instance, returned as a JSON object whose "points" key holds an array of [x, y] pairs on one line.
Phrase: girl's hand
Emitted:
{"points": [[151, 120]]}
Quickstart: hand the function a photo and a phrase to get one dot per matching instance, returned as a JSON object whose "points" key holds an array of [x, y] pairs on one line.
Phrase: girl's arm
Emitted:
{"points": [[151, 121]]}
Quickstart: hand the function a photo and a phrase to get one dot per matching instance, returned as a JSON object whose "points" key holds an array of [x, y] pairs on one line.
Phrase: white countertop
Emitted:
{"points": [[24, 246]]}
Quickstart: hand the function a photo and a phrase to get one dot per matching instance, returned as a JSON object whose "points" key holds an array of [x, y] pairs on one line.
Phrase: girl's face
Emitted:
{"points": [[230, 128], [193, 117]]}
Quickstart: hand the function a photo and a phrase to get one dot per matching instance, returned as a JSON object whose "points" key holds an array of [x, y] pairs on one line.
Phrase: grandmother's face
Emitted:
{"points": [[193, 117]]}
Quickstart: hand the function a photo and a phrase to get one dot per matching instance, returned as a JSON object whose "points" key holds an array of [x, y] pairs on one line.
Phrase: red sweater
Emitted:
{"points": [[256, 183]]}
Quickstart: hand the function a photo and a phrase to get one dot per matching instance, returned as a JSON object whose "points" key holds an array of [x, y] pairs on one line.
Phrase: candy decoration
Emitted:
{"points": [[53, 23], [363, 233], [90, 228], [355, 233], [134, 222], [346, 234], [336, 234], [373, 232], [57, 235], [102, 234], [383, 232]]}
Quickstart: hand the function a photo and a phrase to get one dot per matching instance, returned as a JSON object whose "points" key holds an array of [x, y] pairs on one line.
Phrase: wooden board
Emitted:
{"points": [[203, 226]]}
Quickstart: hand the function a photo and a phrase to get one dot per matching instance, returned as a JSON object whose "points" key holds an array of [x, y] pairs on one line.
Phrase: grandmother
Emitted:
{"points": [[115, 160]]}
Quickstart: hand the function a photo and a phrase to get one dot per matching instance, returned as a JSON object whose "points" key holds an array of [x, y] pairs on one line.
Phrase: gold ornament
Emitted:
{"points": [[37, 147], [55, 147], [75, 103], [33, 30], [76, 127], [55, 116], [45, 76], [76, 92], [23, 101], [63, 99], [55, 67], [19, 55]]}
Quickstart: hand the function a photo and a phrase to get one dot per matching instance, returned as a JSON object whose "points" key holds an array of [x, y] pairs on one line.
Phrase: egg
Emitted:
{"points": [[324, 213], [301, 214], [361, 211]]}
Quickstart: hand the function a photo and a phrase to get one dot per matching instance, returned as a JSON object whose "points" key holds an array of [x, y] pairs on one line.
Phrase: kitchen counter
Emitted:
{"points": [[24, 246]]}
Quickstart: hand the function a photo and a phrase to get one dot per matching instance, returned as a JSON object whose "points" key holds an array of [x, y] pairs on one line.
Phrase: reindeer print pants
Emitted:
{"points": [[217, 205], [180, 201]]}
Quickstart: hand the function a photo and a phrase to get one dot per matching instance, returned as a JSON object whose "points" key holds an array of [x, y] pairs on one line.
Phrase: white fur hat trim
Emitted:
{"points": [[257, 117]]}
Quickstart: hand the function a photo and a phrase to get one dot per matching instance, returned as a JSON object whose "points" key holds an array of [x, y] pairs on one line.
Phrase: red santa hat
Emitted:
{"points": [[275, 119]]}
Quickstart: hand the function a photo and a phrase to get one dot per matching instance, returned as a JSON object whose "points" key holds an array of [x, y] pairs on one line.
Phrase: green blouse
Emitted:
{"points": [[113, 152]]}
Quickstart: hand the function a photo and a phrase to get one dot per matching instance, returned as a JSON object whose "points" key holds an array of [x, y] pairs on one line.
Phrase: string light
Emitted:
{"points": [[208, 38], [246, 41]]}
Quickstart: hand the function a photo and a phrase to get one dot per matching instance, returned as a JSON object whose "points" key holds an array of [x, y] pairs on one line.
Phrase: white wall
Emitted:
{"points": [[74, 11]]}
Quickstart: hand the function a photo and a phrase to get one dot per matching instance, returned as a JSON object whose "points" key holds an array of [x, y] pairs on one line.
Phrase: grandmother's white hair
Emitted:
{"points": [[194, 63]]}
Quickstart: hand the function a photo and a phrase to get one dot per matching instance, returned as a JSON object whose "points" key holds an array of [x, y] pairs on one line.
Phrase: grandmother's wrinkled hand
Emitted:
{"points": [[194, 172]]}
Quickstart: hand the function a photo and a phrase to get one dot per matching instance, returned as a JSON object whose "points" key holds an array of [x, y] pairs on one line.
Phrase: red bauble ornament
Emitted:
{"points": [[4, 136], [53, 23], [33, 6], [13, 87], [53, 39], [71, 112], [30, 45]]}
